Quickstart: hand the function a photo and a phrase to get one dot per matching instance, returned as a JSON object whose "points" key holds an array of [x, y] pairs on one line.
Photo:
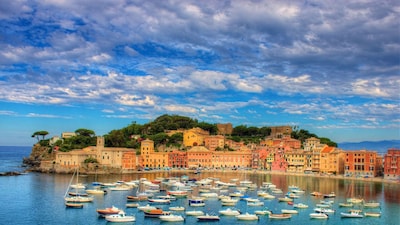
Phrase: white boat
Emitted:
{"points": [[319, 216], [371, 204], [262, 212], [285, 199], [146, 207], [77, 198], [247, 216], [300, 206], [236, 194], [324, 210], [131, 205], [169, 197], [346, 204], [74, 205], [372, 214], [229, 212], [289, 211], [120, 217], [194, 213], [96, 191], [229, 199], [159, 201], [255, 203], [268, 196], [177, 208], [352, 214], [172, 218], [355, 200], [122, 187], [280, 216], [209, 195]]}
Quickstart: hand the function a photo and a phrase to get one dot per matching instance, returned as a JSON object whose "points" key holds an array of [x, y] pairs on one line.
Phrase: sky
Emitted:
{"points": [[329, 67]]}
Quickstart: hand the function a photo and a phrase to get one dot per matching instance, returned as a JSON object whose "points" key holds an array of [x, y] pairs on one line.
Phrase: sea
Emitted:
{"points": [[38, 198]]}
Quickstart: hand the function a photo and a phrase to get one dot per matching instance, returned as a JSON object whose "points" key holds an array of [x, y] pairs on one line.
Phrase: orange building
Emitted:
{"points": [[232, 159], [199, 156], [361, 163], [332, 160], [392, 164], [150, 158], [194, 137], [177, 159]]}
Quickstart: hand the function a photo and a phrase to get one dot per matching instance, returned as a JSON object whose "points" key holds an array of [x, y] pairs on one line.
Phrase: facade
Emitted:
{"points": [[68, 134], [332, 160], [231, 159], [392, 164], [150, 158], [361, 163], [296, 161], [213, 142], [177, 159], [194, 137], [280, 131], [199, 156]]}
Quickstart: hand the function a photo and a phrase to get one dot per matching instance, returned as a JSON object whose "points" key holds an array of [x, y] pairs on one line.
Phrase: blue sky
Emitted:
{"points": [[331, 67]]}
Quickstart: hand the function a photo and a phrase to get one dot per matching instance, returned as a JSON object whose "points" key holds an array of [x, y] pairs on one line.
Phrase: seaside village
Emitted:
{"points": [[202, 151]]}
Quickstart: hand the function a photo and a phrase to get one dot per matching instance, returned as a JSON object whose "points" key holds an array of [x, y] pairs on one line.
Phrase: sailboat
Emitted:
{"points": [[72, 201]]}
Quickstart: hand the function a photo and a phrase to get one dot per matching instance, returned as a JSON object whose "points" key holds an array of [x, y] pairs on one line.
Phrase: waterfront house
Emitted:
{"points": [[360, 163], [392, 164]]}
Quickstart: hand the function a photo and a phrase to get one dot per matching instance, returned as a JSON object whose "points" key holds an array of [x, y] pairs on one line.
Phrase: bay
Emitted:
{"points": [[37, 198]]}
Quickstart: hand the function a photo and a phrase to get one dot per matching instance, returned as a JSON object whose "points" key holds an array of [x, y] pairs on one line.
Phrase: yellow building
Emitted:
{"points": [[296, 160], [194, 137], [151, 158], [332, 160]]}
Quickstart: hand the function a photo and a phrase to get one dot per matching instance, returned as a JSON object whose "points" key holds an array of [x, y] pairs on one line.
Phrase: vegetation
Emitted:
{"points": [[131, 135]]}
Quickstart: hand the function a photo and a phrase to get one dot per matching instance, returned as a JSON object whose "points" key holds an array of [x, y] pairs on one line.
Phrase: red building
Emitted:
{"points": [[361, 163], [392, 164], [177, 159]]}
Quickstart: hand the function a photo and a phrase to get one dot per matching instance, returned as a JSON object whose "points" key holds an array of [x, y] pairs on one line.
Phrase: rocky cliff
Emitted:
{"points": [[39, 153]]}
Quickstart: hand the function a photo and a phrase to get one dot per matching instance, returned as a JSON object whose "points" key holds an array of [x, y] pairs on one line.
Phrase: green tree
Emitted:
{"points": [[42, 133], [85, 132]]}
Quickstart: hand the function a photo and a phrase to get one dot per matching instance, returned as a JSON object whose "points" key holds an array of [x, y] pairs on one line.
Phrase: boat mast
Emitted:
{"points": [[69, 185]]}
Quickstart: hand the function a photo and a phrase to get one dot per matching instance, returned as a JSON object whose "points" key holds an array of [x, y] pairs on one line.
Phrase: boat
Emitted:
{"points": [[247, 216], [346, 204], [330, 195], [196, 202], [121, 217], [172, 218], [177, 208], [372, 214], [194, 213], [371, 204], [262, 212], [108, 211], [155, 213], [74, 205], [132, 205], [146, 207], [169, 197], [300, 206], [355, 200], [229, 212], [159, 201], [316, 193], [255, 203], [285, 199], [76, 198], [324, 210], [137, 198], [318, 216], [279, 216], [268, 196], [178, 193], [208, 217], [96, 191], [122, 187], [354, 213], [289, 211]]}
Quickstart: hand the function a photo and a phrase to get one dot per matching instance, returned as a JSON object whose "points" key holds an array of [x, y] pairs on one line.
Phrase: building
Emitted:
{"points": [[392, 164], [177, 159], [151, 158], [199, 156], [225, 129], [232, 159], [68, 134], [194, 137], [361, 163], [296, 161], [280, 131], [214, 142], [332, 160]]}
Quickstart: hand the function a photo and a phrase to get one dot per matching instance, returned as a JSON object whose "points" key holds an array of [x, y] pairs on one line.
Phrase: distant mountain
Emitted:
{"points": [[380, 146]]}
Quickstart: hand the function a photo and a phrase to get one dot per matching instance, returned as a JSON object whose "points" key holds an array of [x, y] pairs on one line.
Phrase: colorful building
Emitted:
{"points": [[194, 137], [199, 156], [231, 159], [214, 141], [177, 159], [332, 160], [361, 163], [151, 158], [392, 164]]}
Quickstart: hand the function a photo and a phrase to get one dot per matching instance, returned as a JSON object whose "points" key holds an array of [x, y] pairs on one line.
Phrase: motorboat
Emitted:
{"points": [[352, 214], [169, 197], [196, 202], [178, 193], [324, 210], [159, 201], [268, 196], [247, 216], [120, 217], [346, 204], [177, 208], [207, 217], [300, 206], [262, 212], [318, 215], [79, 198], [229, 212], [137, 198], [122, 187], [371, 205], [172, 218], [355, 200], [146, 207], [108, 211], [289, 211], [255, 203], [285, 199], [96, 191], [194, 213], [316, 193], [330, 195], [280, 216], [372, 214], [155, 213], [131, 205]]}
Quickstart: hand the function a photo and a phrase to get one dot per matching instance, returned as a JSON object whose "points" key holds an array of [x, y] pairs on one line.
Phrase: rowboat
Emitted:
{"points": [[280, 216], [318, 216], [372, 214], [247, 216]]}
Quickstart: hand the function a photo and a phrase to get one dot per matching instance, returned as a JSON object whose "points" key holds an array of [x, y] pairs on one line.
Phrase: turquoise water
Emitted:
{"points": [[37, 198]]}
